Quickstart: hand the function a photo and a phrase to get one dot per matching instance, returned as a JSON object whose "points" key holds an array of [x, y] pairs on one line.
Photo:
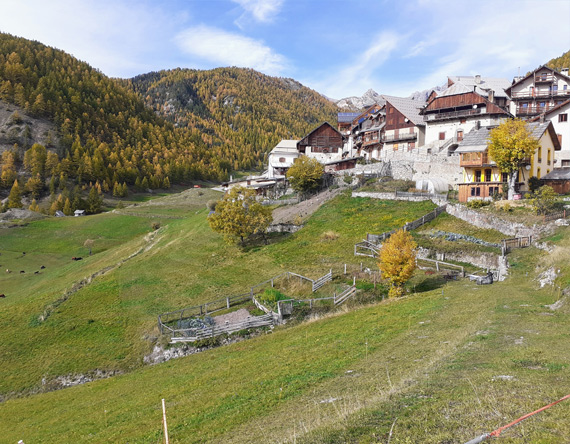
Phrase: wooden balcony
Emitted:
{"points": [[475, 160], [400, 136], [532, 94], [544, 78], [453, 114], [533, 109]]}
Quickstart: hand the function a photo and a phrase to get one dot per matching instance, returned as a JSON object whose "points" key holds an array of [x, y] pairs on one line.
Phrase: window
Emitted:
{"points": [[555, 88], [459, 135], [395, 147], [475, 191], [563, 117], [391, 110], [477, 177], [504, 177], [565, 163], [281, 159], [442, 135], [487, 175], [565, 87], [411, 146], [463, 120], [538, 173]]}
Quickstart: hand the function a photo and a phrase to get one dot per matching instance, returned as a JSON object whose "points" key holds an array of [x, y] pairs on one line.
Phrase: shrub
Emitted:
{"points": [[478, 203], [533, 184], [544, 200], [347, 179], [155, 226]]}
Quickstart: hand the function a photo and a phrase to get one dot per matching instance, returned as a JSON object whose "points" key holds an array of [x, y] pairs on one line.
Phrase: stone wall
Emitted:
{"points": [[481, 220]]}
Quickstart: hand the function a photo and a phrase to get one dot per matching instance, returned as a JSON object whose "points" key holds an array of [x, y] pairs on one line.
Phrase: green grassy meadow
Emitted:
{"points": [[442, 365]]}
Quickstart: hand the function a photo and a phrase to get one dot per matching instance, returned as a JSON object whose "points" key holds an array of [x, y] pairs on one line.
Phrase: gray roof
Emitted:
{"points": [[463, 84], [477, 140], [537, 128], [474, 141], [558, 174], [408, 107], [347, 117]]}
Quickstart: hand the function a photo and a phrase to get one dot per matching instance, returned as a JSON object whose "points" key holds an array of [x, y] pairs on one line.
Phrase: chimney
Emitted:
{"points": [[478, 79], [542, 118], [491, 95], [478, 125]]}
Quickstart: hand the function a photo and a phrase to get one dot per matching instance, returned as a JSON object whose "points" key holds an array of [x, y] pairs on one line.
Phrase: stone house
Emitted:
{"points": [[281, 158], [468, 102]]}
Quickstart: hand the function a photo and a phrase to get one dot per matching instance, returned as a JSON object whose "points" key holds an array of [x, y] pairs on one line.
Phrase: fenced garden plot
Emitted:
{"points": [[554, 216], [194, 323], [371, 245]]}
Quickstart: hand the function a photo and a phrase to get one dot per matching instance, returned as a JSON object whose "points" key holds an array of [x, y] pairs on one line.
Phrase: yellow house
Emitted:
{"points": [[482, 178]]}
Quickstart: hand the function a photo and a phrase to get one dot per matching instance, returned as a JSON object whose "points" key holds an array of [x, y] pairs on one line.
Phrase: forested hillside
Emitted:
{"points": [[199, 125], [560, 62], [241, 113], [105, 132]]}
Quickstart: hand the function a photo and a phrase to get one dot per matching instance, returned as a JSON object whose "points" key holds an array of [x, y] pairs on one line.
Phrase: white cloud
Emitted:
{"points": [[495, 41], [261, 10], [358, 74], [226, 48], [115, 37]]}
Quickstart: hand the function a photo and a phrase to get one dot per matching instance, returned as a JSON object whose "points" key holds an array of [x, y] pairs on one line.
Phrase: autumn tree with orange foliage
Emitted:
{"points": [[397, 261]]}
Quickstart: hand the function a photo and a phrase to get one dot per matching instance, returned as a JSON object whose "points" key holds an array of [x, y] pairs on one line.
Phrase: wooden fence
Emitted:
{"points": [[318, 283], [440, 265], [346, 294], [516, 242], [169, 323], [195, 334], [371, 246], [165, 319]]}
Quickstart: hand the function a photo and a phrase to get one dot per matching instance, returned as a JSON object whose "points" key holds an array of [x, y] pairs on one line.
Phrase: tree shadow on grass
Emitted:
{"points": [[429, 282]]}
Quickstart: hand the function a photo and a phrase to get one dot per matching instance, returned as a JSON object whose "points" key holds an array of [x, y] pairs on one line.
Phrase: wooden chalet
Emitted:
{"points": [[325, 143], [367, 131], [345, 122], [404, 127]]}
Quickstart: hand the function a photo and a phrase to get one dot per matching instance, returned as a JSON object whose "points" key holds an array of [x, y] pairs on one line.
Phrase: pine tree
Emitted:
{"points": [[94, 201], [67, 208], [15, 197], [34, 206]]}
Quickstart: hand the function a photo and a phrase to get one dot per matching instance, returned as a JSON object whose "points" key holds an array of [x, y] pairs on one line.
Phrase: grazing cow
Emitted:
{"points": [[42, 267], [2, 295], [36, 272], [22, 271], [76, 258], [8, 271]]}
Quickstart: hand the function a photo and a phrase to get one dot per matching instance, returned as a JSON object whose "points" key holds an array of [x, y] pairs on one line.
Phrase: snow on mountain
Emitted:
{"points": [[355, 103]]}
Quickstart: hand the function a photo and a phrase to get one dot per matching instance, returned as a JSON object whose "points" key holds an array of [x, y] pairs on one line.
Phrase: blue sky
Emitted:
{"points": [[337, 47]]}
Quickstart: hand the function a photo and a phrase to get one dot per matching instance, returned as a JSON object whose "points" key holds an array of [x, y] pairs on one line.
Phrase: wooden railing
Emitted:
{"points": [[474, 159], [194, 334], [453, 114]]}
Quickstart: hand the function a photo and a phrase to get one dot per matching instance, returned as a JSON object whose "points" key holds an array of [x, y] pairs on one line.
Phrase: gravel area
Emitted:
{"points": [[235, 316]]}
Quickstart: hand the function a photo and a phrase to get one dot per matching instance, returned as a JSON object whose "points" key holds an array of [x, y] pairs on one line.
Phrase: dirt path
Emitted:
{"points": [[288, 213]]}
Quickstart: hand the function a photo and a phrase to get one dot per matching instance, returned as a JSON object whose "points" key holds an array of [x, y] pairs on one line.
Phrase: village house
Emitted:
{"points": [[468, 102], [558, 115], [366, 132], [325, 143], [345, 122], [281, 158], [481, 176], [545, 92], [538, 92], [405, 128]]}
